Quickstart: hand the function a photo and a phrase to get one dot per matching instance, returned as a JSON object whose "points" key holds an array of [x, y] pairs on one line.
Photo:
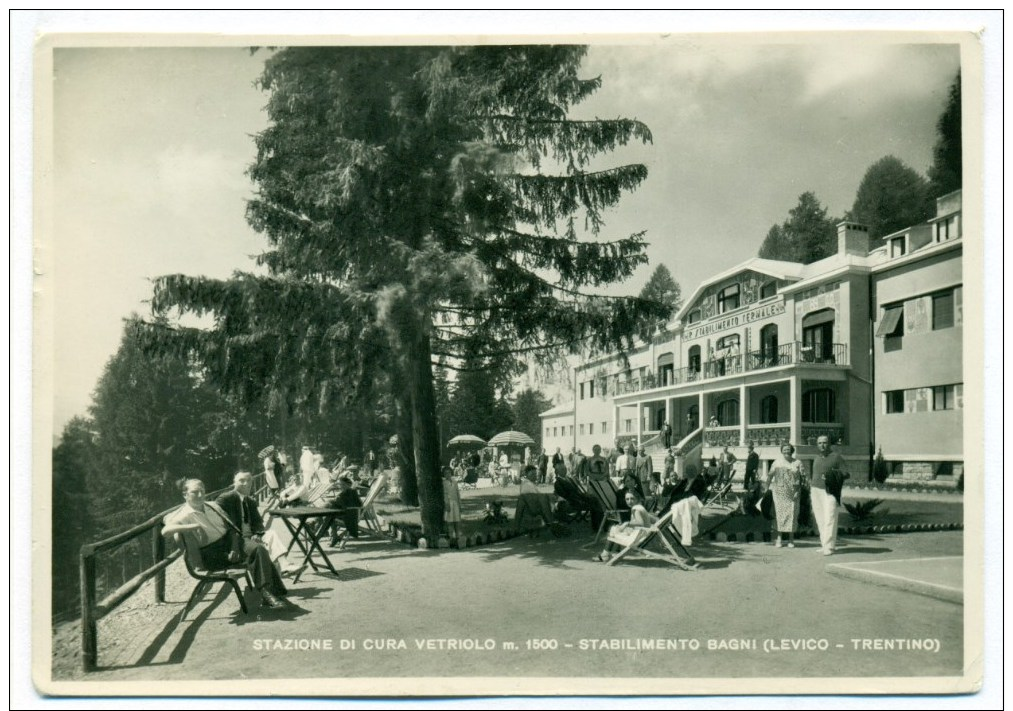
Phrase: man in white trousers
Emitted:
{"points": [[829, 473]]}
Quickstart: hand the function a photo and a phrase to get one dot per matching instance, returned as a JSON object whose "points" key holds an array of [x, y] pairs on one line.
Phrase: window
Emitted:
{"points": [[944, 397], [728, 298], [571, 430], [818, 336], [590, 429], [546, 432], [768, 344], [818, 406], [604, 427], [629, 425], [898, 247], [942, 310], [891, 327], [731, 341], [769, 289], [590, 385], [894, 401], [582, 391], [555, 431], [728, 413], [582, 429], [693, 316], [603, 384], [948, 229], [694, 359], [768, 410]]}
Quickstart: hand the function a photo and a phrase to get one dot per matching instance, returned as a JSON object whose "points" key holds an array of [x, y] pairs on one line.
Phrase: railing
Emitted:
{"points": [[794, 353], [689, 450], [722, 436], [128, 545], [834, 430], [768, 435]]}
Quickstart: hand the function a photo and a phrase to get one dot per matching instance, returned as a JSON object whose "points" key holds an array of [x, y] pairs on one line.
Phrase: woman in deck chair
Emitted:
{"points": [[639, 518]]}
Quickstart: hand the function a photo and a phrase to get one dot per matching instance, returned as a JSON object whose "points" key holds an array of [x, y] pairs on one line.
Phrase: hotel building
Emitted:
{"points": [[863, 346]]}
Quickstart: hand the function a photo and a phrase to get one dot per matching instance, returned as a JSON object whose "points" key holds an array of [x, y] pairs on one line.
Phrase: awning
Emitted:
{"points": [[891, 317], [818, 317]]}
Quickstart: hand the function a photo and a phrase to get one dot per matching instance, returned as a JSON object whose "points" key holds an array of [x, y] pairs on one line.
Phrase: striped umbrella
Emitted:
{"points": [[466, 439], [511, 437]]}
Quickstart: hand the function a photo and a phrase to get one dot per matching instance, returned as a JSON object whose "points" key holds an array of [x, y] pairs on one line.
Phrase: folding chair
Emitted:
{"points": [[607, 494], [206, 578], [635, 542]]}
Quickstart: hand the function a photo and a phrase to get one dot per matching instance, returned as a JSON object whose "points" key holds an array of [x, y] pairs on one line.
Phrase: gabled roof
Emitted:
{"points": [[789, 271]]}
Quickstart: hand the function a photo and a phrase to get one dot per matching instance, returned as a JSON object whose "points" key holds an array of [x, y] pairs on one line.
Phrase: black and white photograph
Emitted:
{"points": [[583, 365]]}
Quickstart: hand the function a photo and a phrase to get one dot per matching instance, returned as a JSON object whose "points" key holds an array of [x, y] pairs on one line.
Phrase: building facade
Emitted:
{"points": [[919, 369], [772, 351]]}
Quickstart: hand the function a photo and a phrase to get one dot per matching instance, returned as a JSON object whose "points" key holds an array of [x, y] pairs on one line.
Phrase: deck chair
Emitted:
{"points": [[367, 515], [206, 578], [635, 541], [608, 496], [572, 503]]}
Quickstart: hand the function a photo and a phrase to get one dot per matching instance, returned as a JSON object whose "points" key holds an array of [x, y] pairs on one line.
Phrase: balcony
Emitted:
{"points": [[794, 353]]}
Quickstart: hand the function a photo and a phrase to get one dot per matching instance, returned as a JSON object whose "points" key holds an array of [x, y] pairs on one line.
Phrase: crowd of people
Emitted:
{"points": [[231, 531]]}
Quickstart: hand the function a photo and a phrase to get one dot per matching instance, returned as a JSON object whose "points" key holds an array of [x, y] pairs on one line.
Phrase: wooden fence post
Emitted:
{"points": [[89, 635], [158, 553]]}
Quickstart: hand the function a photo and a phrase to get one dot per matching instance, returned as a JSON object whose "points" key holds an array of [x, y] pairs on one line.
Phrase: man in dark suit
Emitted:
{"points": [[543, 466], [241, 508]]}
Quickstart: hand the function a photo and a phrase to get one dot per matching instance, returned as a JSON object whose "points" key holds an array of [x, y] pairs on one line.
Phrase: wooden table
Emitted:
{"points": [[302, 515]]}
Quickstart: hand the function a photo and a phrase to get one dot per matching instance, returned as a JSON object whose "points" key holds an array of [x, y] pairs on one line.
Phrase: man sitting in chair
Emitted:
{"points": [[244, 514], [342, 495], [220, 542]]}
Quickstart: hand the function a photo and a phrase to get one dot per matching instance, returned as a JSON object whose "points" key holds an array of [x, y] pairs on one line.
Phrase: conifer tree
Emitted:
{"points": [[419, 203]]}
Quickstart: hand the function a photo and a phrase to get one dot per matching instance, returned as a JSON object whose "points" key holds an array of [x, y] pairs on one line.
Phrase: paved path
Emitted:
{"points": [[396, 611], [942, 578]]}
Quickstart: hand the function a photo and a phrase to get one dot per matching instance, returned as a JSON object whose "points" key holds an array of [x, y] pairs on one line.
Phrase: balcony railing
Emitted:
{"points": [[722, 436], [834, 430], [768, 435], [794, 353]]}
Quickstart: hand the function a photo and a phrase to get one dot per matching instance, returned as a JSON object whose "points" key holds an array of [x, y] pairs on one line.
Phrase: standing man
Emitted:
{"points": [[727, 465], [558, 467], [829, 473], [752, 468], [669, 466], [597, 465], [543, 466], [645, 467], [306, 460], [666, 429]]}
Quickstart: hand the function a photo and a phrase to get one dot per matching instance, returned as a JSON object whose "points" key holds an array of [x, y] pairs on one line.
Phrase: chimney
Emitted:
{"points": [[852, 238]]}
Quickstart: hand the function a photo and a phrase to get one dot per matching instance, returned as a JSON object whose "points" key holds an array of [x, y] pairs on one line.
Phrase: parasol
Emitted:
{"points": [[466, 439], [266, 451], [511, 437]]}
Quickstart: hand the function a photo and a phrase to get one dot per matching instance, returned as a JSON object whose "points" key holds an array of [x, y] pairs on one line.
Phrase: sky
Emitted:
{"points": [[151, 146]]}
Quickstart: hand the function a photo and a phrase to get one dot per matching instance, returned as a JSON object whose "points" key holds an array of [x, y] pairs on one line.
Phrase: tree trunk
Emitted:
{"points": [[426, 437], [406, 447]]}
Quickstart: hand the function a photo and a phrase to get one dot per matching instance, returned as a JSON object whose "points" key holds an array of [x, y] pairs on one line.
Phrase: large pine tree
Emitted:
{"points": [[419, 203]]}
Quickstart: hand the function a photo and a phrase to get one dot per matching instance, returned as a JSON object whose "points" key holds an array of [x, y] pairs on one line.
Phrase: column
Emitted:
{"points": [[704, 416], [640, 421], [743, 413], [615, 422], [795, 426]]}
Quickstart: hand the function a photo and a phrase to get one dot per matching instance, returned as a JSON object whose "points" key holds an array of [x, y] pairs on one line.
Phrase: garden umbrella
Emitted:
{"points": [[466, 439], [511, 437]]}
